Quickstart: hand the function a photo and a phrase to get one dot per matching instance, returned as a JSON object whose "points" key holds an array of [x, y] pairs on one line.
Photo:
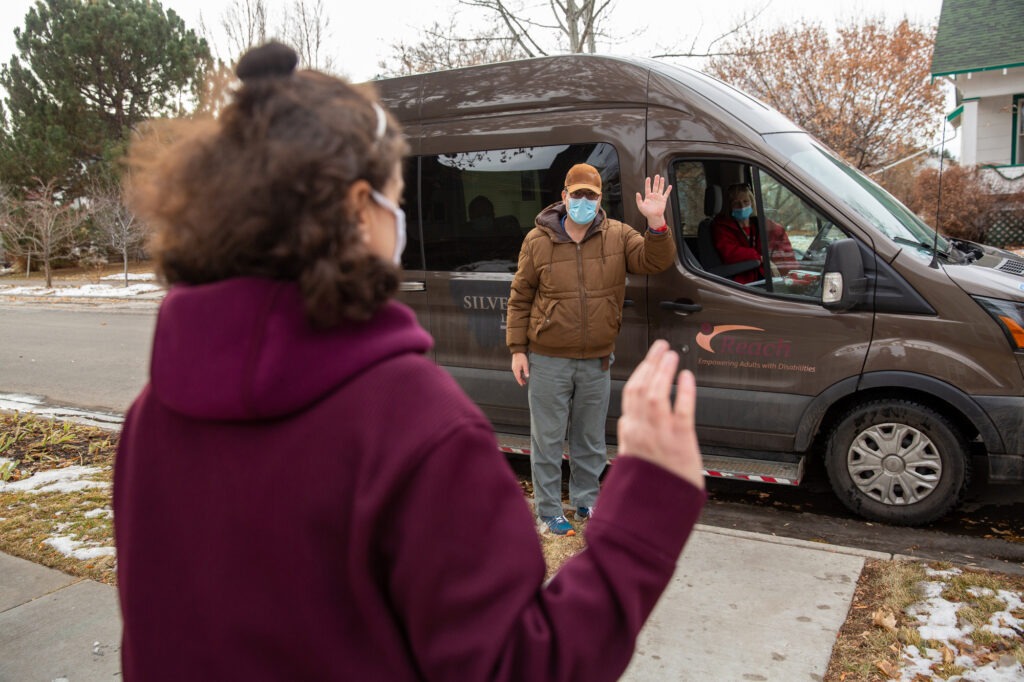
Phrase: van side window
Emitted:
{"points": [[476, 207], [791, 234], [690, 187], [808, 232]]}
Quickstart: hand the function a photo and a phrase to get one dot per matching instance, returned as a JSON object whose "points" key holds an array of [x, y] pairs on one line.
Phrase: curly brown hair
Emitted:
{"points": [[260, 191]]}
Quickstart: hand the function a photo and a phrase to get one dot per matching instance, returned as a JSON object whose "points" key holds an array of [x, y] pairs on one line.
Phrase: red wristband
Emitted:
{"points": [[658, 230]]}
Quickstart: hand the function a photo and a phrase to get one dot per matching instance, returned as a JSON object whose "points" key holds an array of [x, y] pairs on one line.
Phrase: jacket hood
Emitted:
{"points": [[550, 221], [242, 349]]}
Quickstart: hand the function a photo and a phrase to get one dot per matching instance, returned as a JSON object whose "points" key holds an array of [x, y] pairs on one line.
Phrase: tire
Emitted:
{"points": [[898, 462]]}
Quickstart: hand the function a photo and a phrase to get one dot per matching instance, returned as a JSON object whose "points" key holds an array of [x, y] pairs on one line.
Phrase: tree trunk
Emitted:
{"points": [[48, 273], [124, 253]]}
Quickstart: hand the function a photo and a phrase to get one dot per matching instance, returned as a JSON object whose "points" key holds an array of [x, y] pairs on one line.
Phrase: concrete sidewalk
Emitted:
{"points": [[741, 606]]}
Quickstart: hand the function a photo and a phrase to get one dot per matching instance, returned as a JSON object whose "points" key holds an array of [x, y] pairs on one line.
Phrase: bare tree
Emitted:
{"points": [[118, 226], [576, 25], [441, 48], [245, 25], [8, 247], [722, 44], [306, 28], [576, 22], [216, 89], [39, 225]]}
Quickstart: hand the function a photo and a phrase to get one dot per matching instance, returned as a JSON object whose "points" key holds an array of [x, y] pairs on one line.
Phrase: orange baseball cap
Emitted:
{"points": [[583, 176]]}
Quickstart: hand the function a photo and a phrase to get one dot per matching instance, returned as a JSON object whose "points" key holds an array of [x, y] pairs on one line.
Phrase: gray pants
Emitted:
{"points": [[575, 393]]}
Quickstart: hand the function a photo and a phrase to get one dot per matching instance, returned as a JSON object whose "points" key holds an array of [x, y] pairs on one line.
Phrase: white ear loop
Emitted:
{"points": [[382, 121]]}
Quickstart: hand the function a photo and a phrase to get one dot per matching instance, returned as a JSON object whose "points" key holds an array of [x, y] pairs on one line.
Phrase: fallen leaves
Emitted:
{"points": [[884, 619], [890, 671]]}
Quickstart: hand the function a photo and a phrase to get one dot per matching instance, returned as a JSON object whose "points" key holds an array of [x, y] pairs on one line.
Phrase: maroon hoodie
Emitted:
{"points": [[295, 505]]}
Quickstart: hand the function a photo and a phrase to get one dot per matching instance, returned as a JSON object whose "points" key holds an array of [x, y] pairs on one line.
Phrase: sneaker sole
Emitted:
{"points": [[547, 531]]}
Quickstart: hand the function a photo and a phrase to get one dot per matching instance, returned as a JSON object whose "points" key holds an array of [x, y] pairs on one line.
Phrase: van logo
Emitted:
{"points": [[740, 345], [482, 306], [707, 333]]}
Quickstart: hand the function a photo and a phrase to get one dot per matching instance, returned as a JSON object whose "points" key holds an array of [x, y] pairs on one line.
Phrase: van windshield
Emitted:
{"points": [[860, 193]]}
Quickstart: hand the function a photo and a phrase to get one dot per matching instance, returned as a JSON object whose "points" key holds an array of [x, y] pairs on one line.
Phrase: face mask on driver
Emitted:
{"points": [[742, 213]]}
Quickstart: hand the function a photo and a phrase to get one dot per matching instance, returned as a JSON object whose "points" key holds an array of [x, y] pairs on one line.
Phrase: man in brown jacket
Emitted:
{"points": [[564, 313]]}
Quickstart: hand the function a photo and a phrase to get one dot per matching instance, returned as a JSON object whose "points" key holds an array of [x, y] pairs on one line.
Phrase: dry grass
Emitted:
{"points": [[877, 629], [28, 519]]}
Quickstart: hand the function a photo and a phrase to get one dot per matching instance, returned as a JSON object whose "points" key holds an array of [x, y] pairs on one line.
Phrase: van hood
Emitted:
{"points": [[995, 277]]}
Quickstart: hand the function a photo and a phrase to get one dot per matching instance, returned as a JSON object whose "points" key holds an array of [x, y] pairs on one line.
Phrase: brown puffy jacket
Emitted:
{"points": [[566, 298]]}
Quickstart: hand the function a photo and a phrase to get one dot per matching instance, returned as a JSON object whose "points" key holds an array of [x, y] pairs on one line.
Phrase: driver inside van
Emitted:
{"points": [[737, 237]]}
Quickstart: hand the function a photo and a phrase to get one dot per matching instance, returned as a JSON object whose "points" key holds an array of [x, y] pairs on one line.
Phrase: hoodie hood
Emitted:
{"points": [[550, 221], [242, 349]]}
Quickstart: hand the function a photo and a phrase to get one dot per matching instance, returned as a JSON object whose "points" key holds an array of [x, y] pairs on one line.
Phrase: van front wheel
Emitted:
{"points": [[897, 461]]}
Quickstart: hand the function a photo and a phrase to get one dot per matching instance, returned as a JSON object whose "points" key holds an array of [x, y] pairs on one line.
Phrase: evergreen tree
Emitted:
{"points": [[86, 73]]}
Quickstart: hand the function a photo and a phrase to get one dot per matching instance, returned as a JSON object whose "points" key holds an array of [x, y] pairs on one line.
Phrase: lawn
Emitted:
{"points": [[908, 620]]}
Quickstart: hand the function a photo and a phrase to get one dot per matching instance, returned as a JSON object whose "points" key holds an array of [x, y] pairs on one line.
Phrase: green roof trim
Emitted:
{"points": [[986, 68], [978, 35], [956, 113]]}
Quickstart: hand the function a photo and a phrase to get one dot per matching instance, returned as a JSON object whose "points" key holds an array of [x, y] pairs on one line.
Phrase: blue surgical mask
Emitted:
{"points": [[399, 214], [583, 211], [742, 213]]}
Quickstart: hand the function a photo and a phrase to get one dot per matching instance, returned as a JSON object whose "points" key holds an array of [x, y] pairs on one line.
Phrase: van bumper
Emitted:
{"points": [[1007, 415]]}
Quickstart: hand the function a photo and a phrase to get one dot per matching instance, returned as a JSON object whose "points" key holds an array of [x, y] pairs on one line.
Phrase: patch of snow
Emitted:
{"points": [[938, 621], [84, 291], [35, 405], [19, 400], [64, 480], [76, 549], [132, 276], [97, 513]]}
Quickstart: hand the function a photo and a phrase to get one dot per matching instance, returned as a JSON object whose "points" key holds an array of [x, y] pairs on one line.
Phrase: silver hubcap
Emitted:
{"points": [[894, 464]]}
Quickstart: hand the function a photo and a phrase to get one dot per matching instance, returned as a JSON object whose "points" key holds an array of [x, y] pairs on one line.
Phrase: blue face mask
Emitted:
{"points": [[742, 213], [583, 211]]}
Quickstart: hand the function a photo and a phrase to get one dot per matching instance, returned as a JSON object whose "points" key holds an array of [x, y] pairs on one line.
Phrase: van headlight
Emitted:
{"points": [[1009, 315]]}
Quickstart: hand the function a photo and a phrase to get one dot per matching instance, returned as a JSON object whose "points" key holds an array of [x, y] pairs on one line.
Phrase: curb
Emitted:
{"points": [[793, 542]]}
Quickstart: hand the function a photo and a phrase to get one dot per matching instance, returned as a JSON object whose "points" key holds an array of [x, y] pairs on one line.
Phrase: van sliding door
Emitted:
{"points": [[480, 194]]}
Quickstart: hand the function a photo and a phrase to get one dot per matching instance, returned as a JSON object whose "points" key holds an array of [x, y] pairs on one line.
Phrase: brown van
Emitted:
{"points": [[892, 352]]}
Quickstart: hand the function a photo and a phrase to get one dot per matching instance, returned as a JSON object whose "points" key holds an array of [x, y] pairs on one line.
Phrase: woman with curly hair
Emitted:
{"points": [[300, 493]]}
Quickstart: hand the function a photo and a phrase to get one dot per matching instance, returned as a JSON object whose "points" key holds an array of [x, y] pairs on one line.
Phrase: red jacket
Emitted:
{"points": [[736, 244], [294, 505]]}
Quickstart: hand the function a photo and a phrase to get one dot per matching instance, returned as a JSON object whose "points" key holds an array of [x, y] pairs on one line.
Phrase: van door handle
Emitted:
{"points": [[628, 303], [412, 286], [681, 307]]}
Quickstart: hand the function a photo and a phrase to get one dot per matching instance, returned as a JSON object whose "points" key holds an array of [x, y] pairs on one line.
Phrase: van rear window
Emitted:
{"points": [[476, 207]]}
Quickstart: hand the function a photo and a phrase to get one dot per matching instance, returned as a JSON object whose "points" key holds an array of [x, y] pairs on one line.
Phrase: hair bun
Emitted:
{"points": [[270, 59]]}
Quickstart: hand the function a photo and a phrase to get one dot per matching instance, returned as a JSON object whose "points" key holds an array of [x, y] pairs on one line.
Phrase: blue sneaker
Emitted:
{"points": [[585, 513], [557, 525]]}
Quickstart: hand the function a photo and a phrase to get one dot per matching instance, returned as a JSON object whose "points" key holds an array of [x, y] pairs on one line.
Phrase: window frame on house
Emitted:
{"points": [[1017, 141]]}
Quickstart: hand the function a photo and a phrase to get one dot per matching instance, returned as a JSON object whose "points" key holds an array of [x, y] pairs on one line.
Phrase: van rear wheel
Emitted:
{"points": [[897, 461]]}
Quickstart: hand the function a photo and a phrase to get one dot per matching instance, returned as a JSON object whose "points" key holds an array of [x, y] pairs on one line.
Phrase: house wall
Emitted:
{"points": [[989, 83], [987, 131], [995, 130]]}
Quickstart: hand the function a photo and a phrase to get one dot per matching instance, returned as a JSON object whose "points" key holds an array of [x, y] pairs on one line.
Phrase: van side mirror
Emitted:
{"points": [[844, 284]]}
